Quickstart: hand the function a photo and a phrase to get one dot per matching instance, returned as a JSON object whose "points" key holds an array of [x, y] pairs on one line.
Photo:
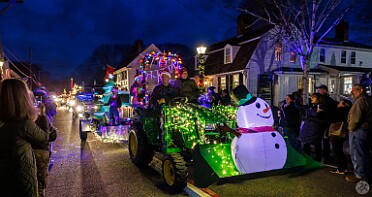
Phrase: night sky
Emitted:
{"points": [[63, 33]]}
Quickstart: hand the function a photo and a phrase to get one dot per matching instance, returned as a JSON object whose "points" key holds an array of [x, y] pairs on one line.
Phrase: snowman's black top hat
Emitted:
{"points": [[242, 94]]}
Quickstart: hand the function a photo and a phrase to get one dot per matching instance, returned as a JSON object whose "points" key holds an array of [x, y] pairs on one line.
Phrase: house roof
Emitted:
{"points": [[239, 39], [247, 43], [335, 42], [215, 61]]}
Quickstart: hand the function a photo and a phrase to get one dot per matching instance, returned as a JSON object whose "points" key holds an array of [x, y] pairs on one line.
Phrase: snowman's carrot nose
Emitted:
{"points": [[266, 110]]}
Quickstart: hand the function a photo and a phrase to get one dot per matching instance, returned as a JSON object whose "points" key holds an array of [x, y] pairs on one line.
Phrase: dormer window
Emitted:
{"points": [[228, 58], [278, 51], [292, 57]]}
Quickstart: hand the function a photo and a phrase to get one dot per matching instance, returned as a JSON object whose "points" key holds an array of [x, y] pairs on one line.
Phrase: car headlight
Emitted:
{"points": [[79, 108], [72, 103]]}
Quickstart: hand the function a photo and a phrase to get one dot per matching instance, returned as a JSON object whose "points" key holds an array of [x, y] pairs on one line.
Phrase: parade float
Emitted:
{"points": [[217, 142], [93, 116]]}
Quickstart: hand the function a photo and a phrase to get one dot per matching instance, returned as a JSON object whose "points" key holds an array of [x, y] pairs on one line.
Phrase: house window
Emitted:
{"points": [[278, 51], [223, 82], [343, 57], [348, 82], [235, 81], [227, 55], [353, 57], [292, 57], [322, 55]]}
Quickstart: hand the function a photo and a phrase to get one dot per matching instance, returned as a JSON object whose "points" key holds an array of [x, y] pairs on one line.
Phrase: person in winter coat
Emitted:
{"points": [[225, 98], [310, 132], [138, 91], [163, 93], [360, 134], [329, 106], [115, 104], [186, 87], [42, 151], [216, 97], [17, 131], [340, 115], [291, 120]]}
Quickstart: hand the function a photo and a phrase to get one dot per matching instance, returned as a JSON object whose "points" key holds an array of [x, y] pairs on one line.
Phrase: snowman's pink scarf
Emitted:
{"points": [[256, 129]]}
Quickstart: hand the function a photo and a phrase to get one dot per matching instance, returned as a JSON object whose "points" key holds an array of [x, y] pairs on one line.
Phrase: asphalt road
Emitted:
{"points": [[94, 168]]}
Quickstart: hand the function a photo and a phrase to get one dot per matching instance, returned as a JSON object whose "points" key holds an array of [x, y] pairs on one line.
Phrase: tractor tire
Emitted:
{"points": [[175, 173], [83, 135], [140, 151]]}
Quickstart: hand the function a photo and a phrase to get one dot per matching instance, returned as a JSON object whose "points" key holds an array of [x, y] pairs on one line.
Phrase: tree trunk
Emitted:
{"points": [[305, 79]]}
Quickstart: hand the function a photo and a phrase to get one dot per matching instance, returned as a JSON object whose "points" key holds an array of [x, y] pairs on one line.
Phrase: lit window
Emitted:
{"points": [[223, 82], [227, 55], [353, 57], [292, 57], [278, 51], [322, 55], [235, 80], [348, 82], [343, 57]]}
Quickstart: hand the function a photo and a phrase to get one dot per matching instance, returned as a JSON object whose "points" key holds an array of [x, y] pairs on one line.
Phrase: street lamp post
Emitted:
{"points": [[201, 51]]}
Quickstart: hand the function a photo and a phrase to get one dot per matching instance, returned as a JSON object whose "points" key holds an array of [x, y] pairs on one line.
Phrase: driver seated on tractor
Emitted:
{"points": [[115, 104], [163, 93]]}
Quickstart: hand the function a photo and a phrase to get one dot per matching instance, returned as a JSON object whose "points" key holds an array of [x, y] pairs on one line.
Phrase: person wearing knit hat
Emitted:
{"points": [[138, 91], [163, 93], [165, 71], [186, 87]]}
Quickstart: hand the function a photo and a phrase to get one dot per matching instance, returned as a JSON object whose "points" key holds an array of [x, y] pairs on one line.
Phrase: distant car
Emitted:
{"points": [[84, 103]]}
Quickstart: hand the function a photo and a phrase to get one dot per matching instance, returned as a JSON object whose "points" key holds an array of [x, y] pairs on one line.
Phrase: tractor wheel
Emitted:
{"points": [[139, 151], [83, 135], [175, 173]]}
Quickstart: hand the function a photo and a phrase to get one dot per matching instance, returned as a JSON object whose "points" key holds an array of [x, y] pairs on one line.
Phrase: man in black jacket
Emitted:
{"points": [[329, 106], [163, 93]]}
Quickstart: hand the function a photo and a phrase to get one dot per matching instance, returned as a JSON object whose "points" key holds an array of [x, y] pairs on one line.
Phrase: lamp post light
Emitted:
{"points": [[201, 51]]}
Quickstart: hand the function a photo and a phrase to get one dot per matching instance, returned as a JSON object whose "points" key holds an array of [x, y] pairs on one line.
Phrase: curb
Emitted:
{"points": [[194, 191]]}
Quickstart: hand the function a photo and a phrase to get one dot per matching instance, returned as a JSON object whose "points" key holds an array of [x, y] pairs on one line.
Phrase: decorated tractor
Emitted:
{"points": [[187, 135], [167, 141]]}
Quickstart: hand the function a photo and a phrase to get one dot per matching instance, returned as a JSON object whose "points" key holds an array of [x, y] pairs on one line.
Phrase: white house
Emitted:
{"points": [[124, 77], [271, 70]]}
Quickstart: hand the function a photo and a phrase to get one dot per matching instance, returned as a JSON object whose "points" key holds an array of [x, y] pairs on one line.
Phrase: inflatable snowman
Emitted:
{"points": [[259, 148]]}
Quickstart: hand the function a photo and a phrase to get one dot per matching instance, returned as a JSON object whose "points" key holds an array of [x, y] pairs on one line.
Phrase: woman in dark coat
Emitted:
{"points": [[17, 131], [314, 120], [340, 115]]}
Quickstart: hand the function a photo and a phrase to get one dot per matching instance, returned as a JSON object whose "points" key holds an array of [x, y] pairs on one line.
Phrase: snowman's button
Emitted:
{"points": [[277, 146], [273, 134]]}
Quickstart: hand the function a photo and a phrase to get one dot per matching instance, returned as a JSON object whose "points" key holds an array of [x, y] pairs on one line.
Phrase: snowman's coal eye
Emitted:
{"points": [[258, 105], [266, 106]]}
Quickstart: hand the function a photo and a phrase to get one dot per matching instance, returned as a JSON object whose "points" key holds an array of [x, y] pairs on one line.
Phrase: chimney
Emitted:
{"points": [[244, 20], [342, 31], [139, 46]]}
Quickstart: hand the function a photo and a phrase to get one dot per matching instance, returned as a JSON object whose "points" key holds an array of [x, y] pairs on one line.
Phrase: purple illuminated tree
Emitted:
{"points": [[301, 24]]}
